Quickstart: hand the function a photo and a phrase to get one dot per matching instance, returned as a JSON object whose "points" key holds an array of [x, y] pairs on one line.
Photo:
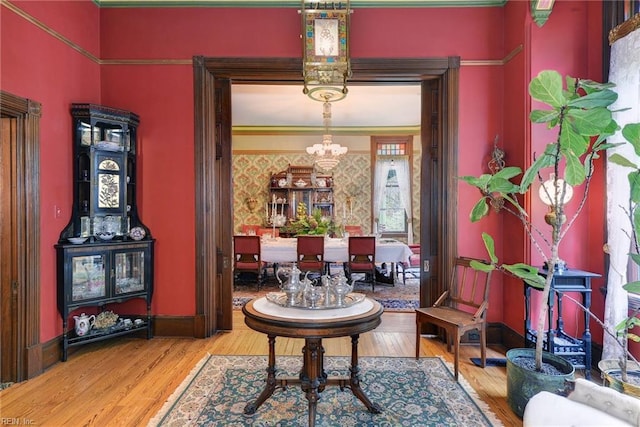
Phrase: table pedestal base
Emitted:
{"points": [[313, 379]]}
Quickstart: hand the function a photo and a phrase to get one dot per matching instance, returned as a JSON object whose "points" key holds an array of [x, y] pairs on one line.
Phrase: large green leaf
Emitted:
{"points": [[479, 211], [547, 159], [508, 172], [527, 273], [500, 185], [481, 266], [634, 186], [631, 132], [574, 173], [595, 99], [591, 85], [543, 116], [572, 141], [589, 122], [547, 87], [480, 182], [619, 159], [632, 287], [490, 245]]}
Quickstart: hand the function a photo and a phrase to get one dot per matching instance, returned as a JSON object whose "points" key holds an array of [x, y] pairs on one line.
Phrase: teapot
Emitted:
{"points": [[292, 286], [341, 289], [83, 323]]}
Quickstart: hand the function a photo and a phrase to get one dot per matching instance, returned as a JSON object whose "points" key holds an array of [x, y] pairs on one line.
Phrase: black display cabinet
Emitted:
{"points": [[105, 254]]}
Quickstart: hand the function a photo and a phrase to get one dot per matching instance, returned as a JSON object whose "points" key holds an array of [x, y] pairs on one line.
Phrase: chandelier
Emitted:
{"points": [[328, 153]]}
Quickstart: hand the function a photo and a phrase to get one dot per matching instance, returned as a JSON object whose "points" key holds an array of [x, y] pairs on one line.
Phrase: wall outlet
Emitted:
{"points": [[57, 211]]}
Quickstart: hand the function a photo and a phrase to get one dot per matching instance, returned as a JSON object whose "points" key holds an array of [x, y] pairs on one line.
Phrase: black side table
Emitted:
{"points": [[575, 350]]}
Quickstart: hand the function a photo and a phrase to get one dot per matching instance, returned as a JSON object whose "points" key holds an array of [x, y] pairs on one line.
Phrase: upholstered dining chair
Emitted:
{"points": [[269, 232], [247, 257], [362, 258], [310, 251], [353, 230], [250, 229], [412, 267], [462, 307]]}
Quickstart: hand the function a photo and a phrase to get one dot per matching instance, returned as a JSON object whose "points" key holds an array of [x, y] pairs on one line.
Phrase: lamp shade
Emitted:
{"points": [[325, 35], [555, 189]]}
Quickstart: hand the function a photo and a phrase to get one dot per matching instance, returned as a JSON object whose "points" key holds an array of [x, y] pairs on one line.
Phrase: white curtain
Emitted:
{"points": [[379, 185], [404, 181], [625, 73], [401, 165]]}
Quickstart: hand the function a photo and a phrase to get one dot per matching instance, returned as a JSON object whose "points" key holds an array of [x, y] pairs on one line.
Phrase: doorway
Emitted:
{"points": [[21, 352], [438, 78]]}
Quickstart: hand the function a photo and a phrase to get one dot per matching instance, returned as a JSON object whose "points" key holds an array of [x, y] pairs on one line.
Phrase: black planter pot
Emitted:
{"points": [[522, 383]]}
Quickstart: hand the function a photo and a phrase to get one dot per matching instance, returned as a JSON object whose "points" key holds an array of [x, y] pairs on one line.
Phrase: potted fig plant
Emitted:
{"points": [[580, 113]]}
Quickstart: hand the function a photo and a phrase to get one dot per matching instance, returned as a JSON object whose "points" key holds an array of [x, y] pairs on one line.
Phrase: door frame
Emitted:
{"points": [[439, 79], [20, 320]]}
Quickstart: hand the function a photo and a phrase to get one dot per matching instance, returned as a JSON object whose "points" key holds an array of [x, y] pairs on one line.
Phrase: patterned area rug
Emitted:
{"points": [[396, 297], [411, 392]]}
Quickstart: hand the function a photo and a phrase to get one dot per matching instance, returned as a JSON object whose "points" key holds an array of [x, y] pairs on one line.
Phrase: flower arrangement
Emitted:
{"points": [[314, 224]]}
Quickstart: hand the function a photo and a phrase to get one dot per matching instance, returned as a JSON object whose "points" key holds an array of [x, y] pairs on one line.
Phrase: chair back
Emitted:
{"points": [[310, 251], [468, 287], [269, 231], [250, 229], [246, 252], [414, 260], [353, 230], [362, 253]]}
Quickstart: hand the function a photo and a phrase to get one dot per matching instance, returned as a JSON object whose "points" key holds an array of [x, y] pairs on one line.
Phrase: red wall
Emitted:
{"points": [[163, 97]]}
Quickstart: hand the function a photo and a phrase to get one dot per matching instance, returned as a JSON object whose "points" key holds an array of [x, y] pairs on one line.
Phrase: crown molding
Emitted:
{"points": [[318, 130], [296, 3]]}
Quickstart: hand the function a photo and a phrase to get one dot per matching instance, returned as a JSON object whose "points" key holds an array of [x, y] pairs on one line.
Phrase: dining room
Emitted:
{"points": [[276, 173]]}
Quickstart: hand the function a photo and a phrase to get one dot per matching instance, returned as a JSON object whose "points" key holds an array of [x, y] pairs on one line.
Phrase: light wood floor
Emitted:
{"points": [[124, 382]]}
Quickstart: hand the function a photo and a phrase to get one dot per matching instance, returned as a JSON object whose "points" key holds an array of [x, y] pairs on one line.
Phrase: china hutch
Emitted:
{"points": [[105, 254], [300, 184]]}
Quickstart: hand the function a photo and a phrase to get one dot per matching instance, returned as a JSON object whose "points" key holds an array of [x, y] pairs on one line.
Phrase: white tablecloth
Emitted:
{"points": [[335, 250]]}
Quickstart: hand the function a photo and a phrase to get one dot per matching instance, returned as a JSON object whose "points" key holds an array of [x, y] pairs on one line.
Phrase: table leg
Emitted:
{"points": [[271, 385], [354, 379], [313, 378]]}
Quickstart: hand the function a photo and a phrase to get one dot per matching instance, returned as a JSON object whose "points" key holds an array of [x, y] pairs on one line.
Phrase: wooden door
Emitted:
{"points": [[9, 338], [20, 351]]}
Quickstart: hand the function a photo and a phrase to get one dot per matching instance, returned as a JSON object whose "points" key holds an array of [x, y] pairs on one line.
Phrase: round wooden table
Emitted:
{"points": [[312, 325]]}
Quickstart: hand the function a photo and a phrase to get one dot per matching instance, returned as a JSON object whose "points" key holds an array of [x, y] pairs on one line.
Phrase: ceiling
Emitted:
{"points": [[286, 105]]}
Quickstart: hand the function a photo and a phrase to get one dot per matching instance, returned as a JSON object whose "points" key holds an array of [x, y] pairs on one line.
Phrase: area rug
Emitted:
{"points": [[397, 297], [411, 392]]}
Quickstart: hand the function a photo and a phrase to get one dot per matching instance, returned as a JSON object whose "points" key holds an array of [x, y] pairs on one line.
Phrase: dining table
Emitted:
{"points": [[283, 250]]}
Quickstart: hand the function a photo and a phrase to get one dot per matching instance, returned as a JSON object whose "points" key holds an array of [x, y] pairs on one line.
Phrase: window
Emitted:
{"points": [[392, 217], [392, 207]]}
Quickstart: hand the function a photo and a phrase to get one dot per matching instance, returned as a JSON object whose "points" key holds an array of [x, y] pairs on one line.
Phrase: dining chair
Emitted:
{"points": [[412, 267], [250, 229], [353, 230], [269, 232], [310, 250], [247, 257], [362, 258], [462, 307]]}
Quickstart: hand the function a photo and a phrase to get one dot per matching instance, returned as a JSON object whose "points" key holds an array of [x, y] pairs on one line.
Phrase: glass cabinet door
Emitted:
{"points": [[130, 274], [88, 277]]}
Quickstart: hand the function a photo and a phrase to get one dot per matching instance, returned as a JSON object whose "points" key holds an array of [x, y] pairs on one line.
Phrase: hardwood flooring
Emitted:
{"points": [[124, 382]]}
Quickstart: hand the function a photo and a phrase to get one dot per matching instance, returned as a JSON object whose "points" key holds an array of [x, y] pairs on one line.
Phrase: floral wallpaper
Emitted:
{"points": [[351, 177]]}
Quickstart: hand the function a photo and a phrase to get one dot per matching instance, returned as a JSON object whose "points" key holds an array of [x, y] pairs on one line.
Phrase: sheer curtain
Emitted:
{"points": [[401, 165], [379, 185], [625, 73]]}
